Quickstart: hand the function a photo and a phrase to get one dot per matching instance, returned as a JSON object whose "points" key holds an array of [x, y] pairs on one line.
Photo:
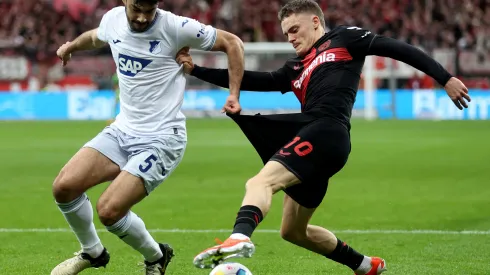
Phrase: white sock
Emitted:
{"points": [[365, 266], [239, 236], [131, 229], [79, 215]]}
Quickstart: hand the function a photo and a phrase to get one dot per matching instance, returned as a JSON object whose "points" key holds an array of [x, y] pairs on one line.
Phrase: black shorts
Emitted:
{"points": [[314, 149]]}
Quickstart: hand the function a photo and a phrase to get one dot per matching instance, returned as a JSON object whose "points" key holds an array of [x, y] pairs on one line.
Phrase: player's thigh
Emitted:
{"points": [[155, 160], [275, 175], [124, 192], [295, 218], [318, 151], [150, 165], [87, 168], [98, 161]]}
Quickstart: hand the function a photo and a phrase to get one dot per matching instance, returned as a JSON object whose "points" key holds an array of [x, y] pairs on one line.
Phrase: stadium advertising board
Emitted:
{"points": [[407, 104]]}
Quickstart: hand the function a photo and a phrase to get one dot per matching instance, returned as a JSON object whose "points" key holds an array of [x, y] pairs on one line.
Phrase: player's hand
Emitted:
{"points": [[184, 58], [63, 53], [232, 106], [458, 92]]}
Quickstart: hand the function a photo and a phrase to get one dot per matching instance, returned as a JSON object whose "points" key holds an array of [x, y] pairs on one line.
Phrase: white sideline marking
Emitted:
{"points": [[184, 231]]}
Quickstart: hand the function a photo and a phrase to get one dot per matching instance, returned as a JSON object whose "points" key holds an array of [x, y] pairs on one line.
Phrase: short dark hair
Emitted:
{"points": [[302, 6], [151, 2]]}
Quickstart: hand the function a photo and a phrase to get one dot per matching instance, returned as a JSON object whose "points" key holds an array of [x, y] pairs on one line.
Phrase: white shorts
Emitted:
{"points": [[151, 158]]}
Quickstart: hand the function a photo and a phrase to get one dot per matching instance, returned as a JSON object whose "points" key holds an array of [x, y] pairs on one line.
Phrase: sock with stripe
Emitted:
{"points": [[79, 215], [346, 255], [131, 229], [248, 218]]}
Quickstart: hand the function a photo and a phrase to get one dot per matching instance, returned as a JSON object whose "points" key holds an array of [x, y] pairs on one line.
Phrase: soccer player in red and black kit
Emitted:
{"points": [[302, 151]]}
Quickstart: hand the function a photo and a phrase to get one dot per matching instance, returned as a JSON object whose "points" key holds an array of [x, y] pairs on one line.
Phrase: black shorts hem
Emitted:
{"points": [[288, 167]]}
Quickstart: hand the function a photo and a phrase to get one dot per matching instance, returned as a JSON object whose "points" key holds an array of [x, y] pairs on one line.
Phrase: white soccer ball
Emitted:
{"points": [[230, 269]]}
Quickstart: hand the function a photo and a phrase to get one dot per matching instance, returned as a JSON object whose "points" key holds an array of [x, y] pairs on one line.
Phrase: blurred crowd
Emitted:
{"points": [[39, 27], [36, 29]]}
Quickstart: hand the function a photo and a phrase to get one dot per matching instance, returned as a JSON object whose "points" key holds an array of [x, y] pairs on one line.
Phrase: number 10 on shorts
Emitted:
{"points": [[302, 149]]}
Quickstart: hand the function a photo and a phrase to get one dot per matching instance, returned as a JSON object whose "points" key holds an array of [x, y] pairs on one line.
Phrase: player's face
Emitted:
{"points": [[300, 29], [140, 15]]}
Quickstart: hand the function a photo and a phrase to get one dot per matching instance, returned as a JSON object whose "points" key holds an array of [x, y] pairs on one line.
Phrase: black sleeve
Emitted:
{"points": [[389, 47], [252, 81], [357, 40], [361, 42]]}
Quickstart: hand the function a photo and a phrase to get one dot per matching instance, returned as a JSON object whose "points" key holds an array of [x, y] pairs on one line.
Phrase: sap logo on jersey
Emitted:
{"points": [[131, 66]]}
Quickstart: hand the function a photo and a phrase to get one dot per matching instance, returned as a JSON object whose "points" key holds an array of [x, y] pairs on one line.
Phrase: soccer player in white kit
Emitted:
{"points": [[148, 138]]}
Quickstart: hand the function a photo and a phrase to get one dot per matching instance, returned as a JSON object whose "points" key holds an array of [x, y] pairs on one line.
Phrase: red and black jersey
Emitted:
{"points": [[326, 80]]}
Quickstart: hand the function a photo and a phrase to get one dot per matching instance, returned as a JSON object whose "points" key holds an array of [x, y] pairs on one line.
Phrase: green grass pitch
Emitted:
{"points": [[402, 176]]}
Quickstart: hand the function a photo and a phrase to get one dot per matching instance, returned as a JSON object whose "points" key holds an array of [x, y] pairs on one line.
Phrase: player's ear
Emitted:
{"points": [[316, 21]]}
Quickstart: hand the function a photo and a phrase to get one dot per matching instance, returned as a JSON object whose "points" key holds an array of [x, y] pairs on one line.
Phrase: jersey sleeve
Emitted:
{"points": [[357, 40], [191, 33], [252, 80], [103, 26], [404, 52]]}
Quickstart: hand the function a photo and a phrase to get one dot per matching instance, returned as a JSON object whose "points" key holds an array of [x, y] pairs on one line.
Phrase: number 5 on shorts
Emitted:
{"points": [[148, 162]]}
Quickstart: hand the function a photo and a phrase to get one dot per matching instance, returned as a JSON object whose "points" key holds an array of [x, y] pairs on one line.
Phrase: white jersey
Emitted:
{"points": [[151, 82]]}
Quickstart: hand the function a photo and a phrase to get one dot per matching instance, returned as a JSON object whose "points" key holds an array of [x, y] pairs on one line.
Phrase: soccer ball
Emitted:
{"points": [[230, 269]]}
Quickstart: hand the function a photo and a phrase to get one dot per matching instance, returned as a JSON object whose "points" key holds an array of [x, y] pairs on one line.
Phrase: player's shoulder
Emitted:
{"points": [[351, 33], [170, 19], [343, 29], [116, 11]]}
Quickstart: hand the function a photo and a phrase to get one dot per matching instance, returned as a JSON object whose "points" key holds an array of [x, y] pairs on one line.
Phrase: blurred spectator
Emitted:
{"points": [[36, 29], [39, 27]]}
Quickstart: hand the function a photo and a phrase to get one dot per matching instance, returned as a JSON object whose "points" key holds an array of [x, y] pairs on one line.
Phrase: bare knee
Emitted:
{"points": [[261, 182], [66, 188], [108, 212], [293, 235], [274, 176], [254, 183]]}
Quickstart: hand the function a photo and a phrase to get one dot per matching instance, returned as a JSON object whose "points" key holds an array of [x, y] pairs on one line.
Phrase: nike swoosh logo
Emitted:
{"points": [[116, 41]]}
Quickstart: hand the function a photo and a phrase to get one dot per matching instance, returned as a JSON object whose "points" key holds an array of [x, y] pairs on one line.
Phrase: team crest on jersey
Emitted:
{"points": [[155, 47], [131, 66], [324, 46]]}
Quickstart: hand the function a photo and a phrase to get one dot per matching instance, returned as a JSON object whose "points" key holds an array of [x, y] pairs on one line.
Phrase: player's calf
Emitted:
{"points": [[313, 238], [114, 212], [86, 169], [323, 242], [258, 197], [272, 178], [294, 236]]}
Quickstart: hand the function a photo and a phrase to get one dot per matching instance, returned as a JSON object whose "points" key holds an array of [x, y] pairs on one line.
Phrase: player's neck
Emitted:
{"points": [[319, 33]]}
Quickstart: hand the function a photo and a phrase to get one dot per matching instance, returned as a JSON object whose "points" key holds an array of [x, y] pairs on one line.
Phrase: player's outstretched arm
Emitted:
{"points": [[252, 81], [233, 47], [389, 47], [86, 41]]}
